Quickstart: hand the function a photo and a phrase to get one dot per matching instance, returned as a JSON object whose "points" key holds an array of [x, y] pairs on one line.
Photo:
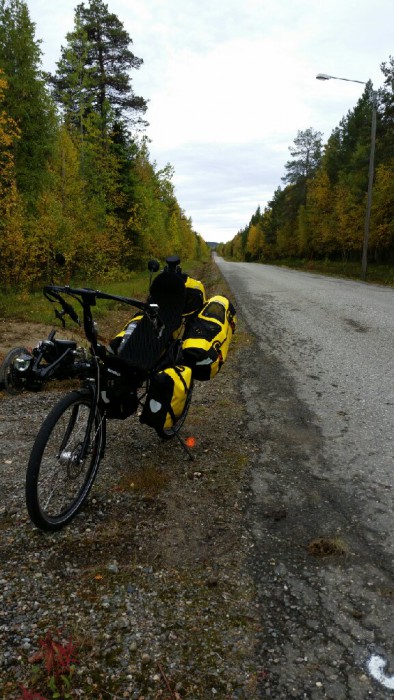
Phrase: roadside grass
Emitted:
{"points": [[32, 307], [376, 274]]}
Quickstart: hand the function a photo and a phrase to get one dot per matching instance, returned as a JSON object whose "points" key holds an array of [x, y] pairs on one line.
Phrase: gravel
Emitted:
{"points": [[150, 580]]}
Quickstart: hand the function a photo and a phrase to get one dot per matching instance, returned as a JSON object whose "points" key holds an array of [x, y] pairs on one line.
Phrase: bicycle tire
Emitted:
{"points": [[55, 465], [8, 381], [169, 433]]}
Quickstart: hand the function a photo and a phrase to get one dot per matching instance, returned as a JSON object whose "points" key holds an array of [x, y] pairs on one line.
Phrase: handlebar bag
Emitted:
{"points": [[166, 397], [207, 338]]}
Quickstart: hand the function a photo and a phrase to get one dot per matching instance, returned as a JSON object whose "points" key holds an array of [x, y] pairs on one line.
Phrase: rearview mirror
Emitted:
{"points": [[153, 266], [60, 259]]}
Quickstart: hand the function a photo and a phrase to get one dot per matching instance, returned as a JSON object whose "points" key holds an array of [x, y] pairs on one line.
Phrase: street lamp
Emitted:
{"points": [[364, 260]]}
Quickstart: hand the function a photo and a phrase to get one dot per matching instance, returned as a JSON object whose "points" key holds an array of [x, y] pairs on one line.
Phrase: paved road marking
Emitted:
{"points": [[376, 665]]}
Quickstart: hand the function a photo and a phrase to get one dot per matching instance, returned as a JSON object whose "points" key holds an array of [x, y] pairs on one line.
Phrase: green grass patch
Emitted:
{"points": [[33, 307], [26, 307], [376, 274]]}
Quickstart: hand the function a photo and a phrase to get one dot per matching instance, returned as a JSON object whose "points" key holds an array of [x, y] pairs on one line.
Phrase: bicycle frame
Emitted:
{"points": [[115, 382], [100, 359]]}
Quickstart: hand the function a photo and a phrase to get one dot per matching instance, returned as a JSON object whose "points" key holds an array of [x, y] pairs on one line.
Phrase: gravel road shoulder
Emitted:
{"points": [[150, 579]]}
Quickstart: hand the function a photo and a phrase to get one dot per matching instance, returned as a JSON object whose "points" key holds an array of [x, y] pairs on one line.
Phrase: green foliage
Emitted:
{"points": [[80, 183], [27, 99], [12, 249]]}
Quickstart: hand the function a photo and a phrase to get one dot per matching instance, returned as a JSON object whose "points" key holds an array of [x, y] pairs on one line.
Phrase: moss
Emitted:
{"points": [[327, 546], [149, 480]]}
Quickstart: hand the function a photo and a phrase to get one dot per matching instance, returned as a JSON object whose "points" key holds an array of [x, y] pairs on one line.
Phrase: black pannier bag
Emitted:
{"points": [[207, 338]]}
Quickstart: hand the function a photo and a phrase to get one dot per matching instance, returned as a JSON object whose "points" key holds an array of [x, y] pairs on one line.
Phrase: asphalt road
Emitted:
{"points": [[319, 386]]}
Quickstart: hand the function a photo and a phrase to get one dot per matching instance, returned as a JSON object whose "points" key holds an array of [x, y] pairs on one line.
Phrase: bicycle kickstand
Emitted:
{"points": [[184, 446]]}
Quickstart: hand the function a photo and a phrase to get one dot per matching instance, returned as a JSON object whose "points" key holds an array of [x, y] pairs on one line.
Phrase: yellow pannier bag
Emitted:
{"points": [[195, 296], [207, 338], [166, 397]]}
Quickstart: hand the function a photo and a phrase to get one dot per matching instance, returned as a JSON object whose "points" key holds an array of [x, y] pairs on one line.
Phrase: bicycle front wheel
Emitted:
{"points": [[64, 461]]}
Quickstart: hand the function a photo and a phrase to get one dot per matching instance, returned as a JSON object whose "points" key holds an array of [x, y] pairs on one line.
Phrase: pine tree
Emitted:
{"points": [[306, 153], [93, 71]]}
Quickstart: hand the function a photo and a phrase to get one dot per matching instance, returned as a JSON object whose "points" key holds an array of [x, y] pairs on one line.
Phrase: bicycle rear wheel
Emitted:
{"points": [[10, 380], [60, 473]]}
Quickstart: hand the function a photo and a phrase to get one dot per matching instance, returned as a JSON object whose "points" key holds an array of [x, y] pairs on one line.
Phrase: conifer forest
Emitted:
{"points": [[319, 213]]}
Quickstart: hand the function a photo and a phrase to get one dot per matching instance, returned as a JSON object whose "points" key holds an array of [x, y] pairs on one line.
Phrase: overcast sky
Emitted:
{"points": [[231, 82]]}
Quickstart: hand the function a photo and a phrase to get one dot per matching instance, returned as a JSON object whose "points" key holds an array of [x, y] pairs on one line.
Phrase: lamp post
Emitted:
{"points": [[364, 260]]}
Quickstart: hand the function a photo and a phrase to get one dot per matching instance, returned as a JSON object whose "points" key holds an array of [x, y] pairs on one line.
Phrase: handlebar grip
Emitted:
{"points": [[52, 293], [70, 311]]}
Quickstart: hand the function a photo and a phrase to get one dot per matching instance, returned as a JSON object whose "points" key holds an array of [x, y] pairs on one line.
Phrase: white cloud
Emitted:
{"points": [[228, 94], [230, 83]]}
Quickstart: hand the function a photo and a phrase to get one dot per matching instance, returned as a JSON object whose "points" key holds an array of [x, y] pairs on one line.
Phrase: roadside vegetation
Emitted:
{"points": [[376, 274], [316, 219], [33, 307], [75, 170]]}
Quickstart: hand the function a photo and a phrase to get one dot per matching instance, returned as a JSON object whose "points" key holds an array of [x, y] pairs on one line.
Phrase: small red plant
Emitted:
{"points": [[30, 695], [57, 657]]}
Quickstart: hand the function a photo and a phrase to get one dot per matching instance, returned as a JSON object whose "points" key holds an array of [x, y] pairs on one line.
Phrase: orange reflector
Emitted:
{"points": [[190, 442]]}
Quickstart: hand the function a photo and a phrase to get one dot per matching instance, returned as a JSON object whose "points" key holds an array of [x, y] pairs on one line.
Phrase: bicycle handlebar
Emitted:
{"points": [[89, 296]]}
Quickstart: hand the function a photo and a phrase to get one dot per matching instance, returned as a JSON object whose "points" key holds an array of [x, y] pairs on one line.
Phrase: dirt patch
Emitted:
{"points": [[14, 334]]}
